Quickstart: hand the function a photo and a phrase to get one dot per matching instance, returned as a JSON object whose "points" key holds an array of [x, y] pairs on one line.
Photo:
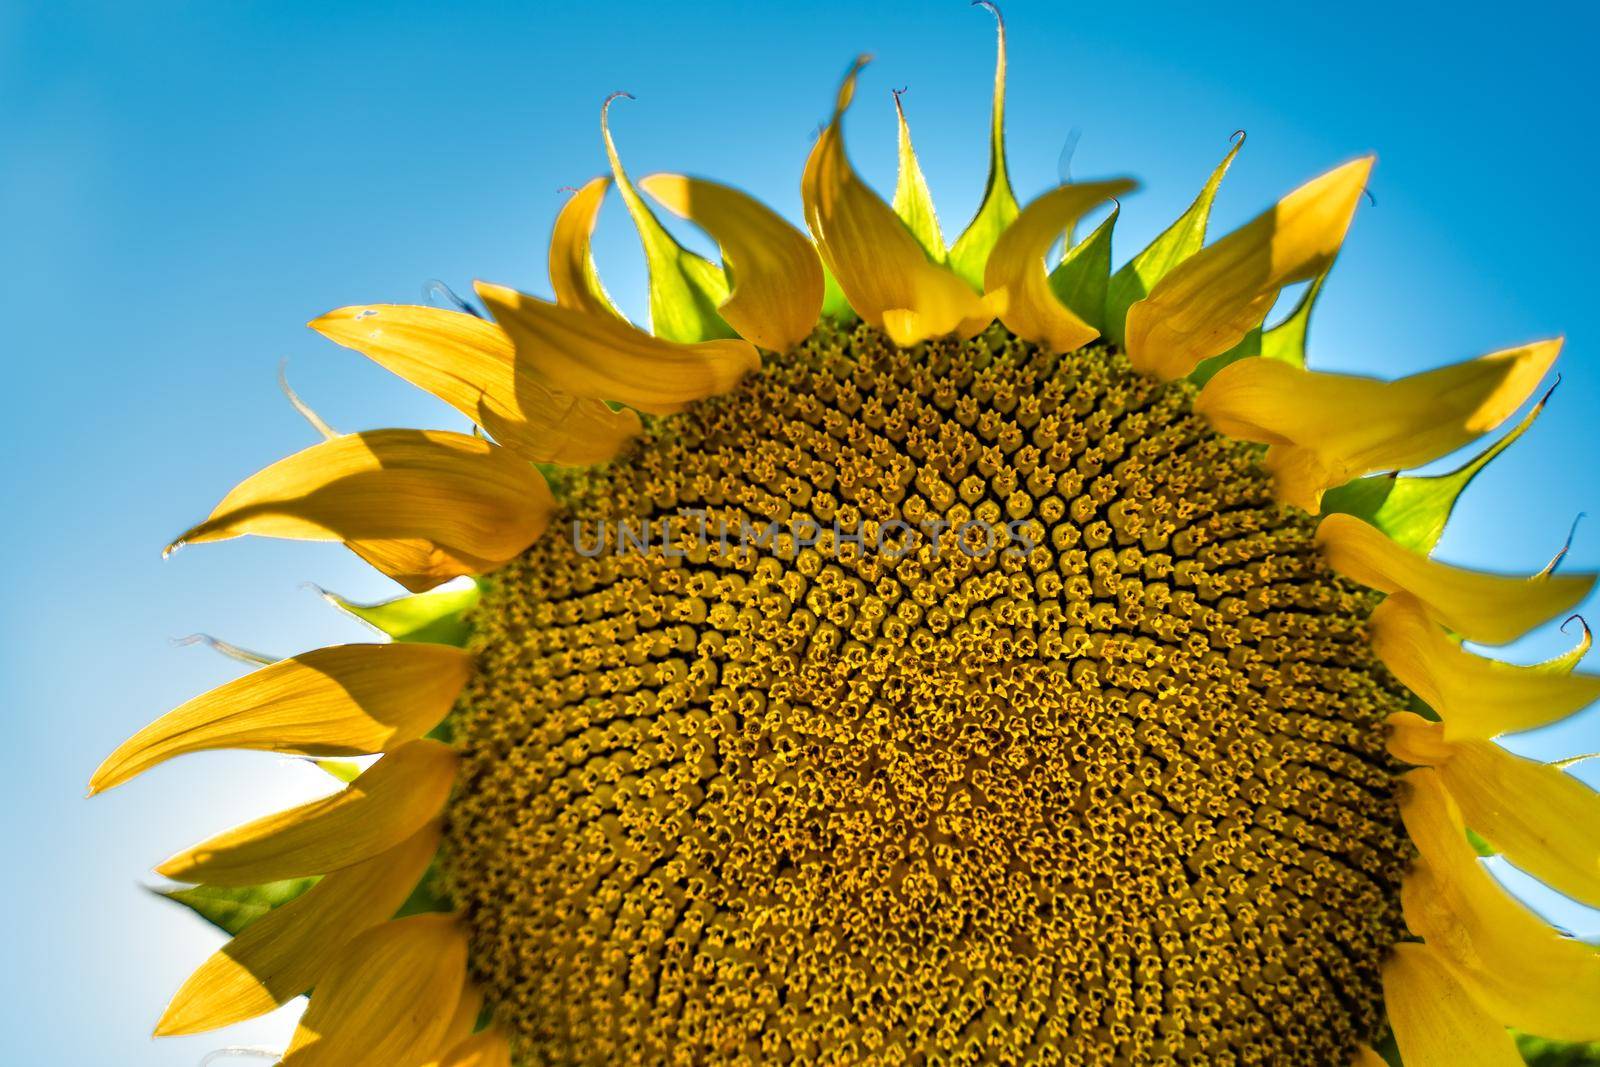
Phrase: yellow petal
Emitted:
{"points": [[1436, 1022], [470, 365], [573, 277], [599, 356], [777, 278], [1474, 696], [462, 1023], [1016, 268], [1365, 1057], [416, 564], [1325, 429], [488, 1049], [471, 500], [387, 803], [880, 265], [283, 953], [348, 700], [1416, 740], [1520, 970], [1491, 608], [388, 1000], [1206, 304], [1539, 817]]}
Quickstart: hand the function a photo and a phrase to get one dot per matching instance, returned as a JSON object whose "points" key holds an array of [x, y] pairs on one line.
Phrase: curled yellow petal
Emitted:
{"points": [[1542, 819], [1206, 304], [1016, 277], [1474, 696], [573, 277], [1324, 429], [882, 268], [1491, 608], [283, 953], [387, 803], [470, 365], [602, 357], [417, 564], [1519, 969], [1436, 1022], [776, 276], [388, 1000], [488, 1049], [474, 502], [1365, 1057], [1417, 740], [348, 700]]}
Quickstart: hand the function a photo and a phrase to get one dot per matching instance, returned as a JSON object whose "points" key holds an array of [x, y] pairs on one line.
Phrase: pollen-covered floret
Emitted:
{"points": [[1107, 787]]}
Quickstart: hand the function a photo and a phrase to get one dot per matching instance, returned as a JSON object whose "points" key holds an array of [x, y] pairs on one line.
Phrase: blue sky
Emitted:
{"points": [[182, 186]]}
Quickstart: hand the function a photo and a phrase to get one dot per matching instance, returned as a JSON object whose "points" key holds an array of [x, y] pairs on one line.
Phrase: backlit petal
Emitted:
{"points": [[880, 265], [388, 1000], [1519, 969], [1206, 304], [1414, 509], [1324, 429], [1491, 608], [1016, 275], [573, 277], [1473, 695], [478, 504], [776, 275], [348, 700], [599, 356], [1539, 817], [1436, 1022], [390, 801], [283, 953], [470, 365]]}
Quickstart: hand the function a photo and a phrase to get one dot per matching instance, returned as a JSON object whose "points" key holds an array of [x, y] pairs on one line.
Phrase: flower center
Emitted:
{"points": [[965, 704]]}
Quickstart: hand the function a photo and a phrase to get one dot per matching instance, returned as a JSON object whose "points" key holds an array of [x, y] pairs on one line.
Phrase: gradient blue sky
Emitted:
{"points": [[183, 185]]}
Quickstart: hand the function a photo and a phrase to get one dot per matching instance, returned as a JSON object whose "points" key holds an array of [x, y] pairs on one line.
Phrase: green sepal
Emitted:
{"points": [[912, 201], [1414, 510], [345, 770], [685, 289], [438, 618], [1286, 342], [1542, 1052], [834, 305], [231, 909], [970, 254], [1480, 844], [1177, 243], [1248, 347], [1081, 278]]}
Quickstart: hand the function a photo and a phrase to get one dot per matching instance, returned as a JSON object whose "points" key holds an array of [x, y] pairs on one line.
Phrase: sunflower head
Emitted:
{"points": [[902, 653]]}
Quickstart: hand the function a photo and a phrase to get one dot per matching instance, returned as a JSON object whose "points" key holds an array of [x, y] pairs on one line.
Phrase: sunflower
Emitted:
{"points": [[902, 653]]}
